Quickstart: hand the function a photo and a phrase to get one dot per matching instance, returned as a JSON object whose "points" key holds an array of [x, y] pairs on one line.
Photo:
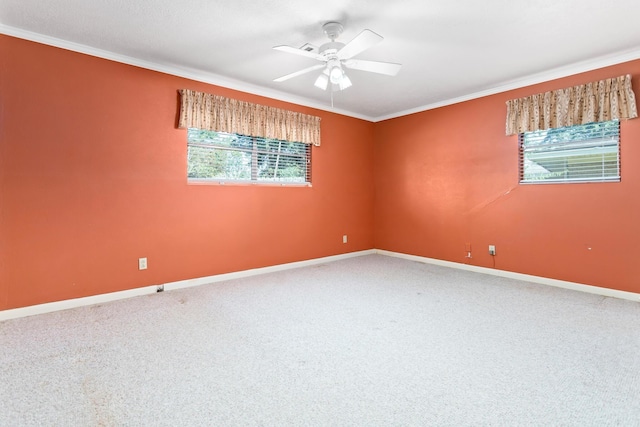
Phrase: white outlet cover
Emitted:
{"points": [[142, 263]]}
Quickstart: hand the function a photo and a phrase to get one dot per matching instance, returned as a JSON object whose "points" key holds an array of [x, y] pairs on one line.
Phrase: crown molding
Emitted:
{"points": [[533, 79], [218, 80], [185, 72]]}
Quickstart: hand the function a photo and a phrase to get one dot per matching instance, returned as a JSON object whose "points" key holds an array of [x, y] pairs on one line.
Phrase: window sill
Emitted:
{"points": [[228, 183]]}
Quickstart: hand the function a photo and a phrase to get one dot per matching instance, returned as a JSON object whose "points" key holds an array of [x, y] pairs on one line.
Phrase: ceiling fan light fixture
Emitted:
{"points": [[336, 74], [322, 82], [345, 82], [336, 56]]}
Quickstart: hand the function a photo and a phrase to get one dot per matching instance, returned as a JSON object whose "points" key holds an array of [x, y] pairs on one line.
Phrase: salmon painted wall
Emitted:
{"points": [[93, 176], [449, 176]]}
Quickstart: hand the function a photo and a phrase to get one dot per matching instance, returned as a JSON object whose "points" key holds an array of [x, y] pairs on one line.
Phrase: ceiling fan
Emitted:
{"points": [[336, 56]]}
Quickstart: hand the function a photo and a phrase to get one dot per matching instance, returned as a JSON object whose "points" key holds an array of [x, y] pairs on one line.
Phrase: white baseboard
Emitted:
{"points": [[147, 290], [49, 307], [519, 276], [257, 271]]}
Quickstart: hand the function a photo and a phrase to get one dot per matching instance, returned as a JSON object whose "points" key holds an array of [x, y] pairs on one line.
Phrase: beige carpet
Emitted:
{"points": [[368, 341]]}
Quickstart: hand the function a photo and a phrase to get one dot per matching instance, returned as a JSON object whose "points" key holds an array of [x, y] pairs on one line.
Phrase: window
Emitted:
{"points": [[582, 153], [229, 157]]}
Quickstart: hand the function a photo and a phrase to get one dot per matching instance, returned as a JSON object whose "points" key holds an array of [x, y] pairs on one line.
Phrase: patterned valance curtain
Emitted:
{"points": [[610, 99], [217, 113]]}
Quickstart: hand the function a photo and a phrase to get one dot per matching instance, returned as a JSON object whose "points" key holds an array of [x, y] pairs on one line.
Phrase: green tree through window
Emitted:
{"points": [[220, 156]]}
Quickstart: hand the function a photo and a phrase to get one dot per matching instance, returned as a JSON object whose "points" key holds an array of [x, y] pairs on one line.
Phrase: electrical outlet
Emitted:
{"points": [[142, 263], [344, 238], [492, 250]]}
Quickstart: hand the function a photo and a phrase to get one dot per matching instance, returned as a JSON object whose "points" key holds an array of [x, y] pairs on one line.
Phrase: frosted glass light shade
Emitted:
{"points": [[345, 82], [335, 75], [322, 82]]}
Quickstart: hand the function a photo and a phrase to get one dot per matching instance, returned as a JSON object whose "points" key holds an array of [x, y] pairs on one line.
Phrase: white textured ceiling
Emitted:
{"points": [[450, 49]]}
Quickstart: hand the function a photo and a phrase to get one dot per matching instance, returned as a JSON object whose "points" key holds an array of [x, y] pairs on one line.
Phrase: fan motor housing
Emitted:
{"points": [[330, 48]]}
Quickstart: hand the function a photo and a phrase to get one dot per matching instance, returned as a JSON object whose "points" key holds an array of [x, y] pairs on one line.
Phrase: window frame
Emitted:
{"points": [[255, 152], [600, 136]]}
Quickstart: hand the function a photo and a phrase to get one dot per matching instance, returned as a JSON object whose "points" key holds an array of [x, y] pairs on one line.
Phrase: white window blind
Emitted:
{"points": [[229, 157], [582, 153]]}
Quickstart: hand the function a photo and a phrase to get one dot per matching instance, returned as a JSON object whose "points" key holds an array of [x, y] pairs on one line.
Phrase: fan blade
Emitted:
{"points": [[300, 52], [299, 73], [361, 42], [388, 68]]}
